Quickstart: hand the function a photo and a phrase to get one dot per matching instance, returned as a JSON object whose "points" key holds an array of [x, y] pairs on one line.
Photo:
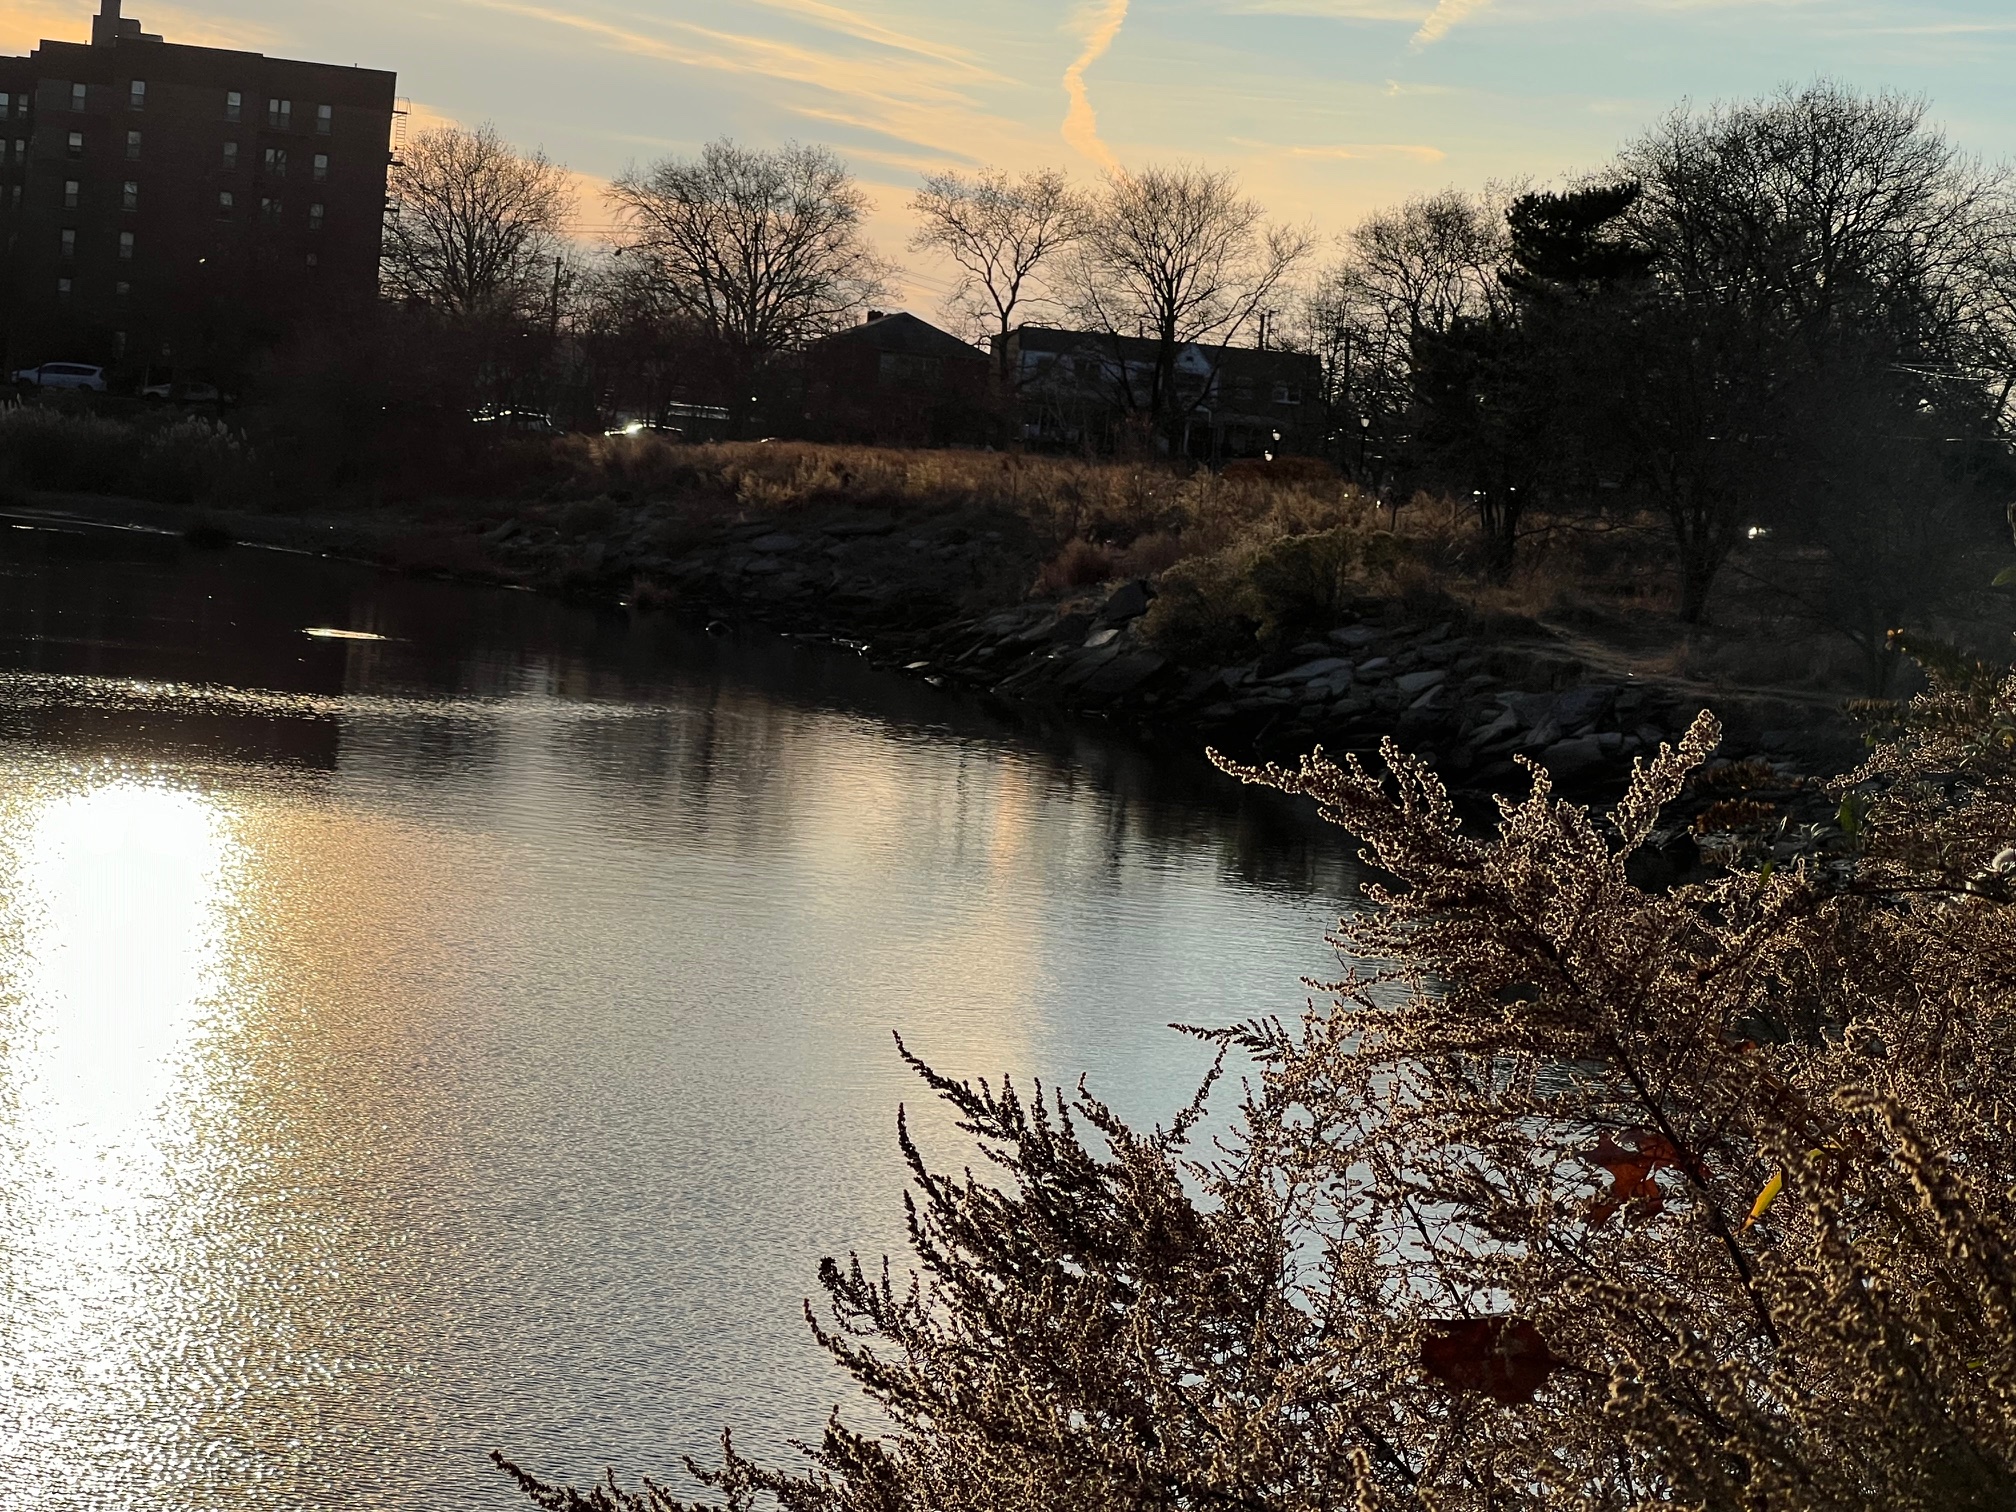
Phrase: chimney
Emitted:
{"points": [[873, 316], [108, 26]]}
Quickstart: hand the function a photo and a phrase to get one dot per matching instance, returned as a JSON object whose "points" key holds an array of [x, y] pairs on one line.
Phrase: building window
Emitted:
{"points": [[230, 157], [72, 190], [129, 196], [234, 106], [1285, 393], [63, 289], [6, 103], [325, 119], [136, 95], [269, 211], [78, 96], [125, 246], [226, 203], [314, 217], [69, 243], [14, 198], [321, 167], [20, 149], [119, 341], [121, 289], [276, 162], [280, 114], [132, 144], [76, 144], [314, 259]]}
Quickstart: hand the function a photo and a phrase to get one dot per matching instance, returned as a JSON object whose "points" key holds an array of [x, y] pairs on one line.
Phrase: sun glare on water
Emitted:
{"points": [[110, 937]]}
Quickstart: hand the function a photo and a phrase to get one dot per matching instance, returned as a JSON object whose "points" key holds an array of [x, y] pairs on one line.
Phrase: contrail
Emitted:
{"points": [[1445, 15], [1081, 123]]}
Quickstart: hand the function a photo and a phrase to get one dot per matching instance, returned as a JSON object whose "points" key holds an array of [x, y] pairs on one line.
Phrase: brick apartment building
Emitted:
{"points": [[171, 207]]}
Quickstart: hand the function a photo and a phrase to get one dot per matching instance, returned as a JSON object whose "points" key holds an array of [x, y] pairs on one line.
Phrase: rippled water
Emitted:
{"points": [[476, 1036]]}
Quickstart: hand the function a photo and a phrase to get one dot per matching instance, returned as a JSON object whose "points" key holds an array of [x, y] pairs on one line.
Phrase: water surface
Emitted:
{"points": [[474, 1037]]}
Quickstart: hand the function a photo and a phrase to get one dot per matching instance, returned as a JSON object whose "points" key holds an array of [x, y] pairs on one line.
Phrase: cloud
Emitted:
{"points": [[908, 96], [1354, 152], [1410, 11], [1081, 122], [1445, 15], [24, 23]]}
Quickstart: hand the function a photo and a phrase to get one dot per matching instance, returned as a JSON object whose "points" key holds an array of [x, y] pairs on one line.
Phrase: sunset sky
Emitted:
{"points": [[1326, 107]]}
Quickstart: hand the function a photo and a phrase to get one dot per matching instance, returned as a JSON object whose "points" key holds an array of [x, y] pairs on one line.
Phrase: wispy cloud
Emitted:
{"points": [[1409, 11], [1081, 122], [853, 24], [1354, 152], [1445, 15], [910, 98]]}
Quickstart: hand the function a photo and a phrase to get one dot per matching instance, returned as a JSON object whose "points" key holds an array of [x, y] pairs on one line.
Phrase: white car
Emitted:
{"points": [[63, 375], [188, 393]]}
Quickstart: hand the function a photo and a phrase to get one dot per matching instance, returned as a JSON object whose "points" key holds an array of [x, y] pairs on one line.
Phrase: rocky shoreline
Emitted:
{"points": [[942, 596]]}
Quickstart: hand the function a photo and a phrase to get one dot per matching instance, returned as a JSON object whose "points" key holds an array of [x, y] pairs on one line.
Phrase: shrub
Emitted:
{"points": [[1573, 1196], [1303, 582], [45, 447], [1081, 564]]}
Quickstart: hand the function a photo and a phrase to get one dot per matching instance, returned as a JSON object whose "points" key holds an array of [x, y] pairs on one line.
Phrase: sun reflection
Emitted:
{"points": [[114, 900]]}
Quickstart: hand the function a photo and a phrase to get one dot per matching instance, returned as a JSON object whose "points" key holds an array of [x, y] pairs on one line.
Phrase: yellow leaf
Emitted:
{"points": [[1766, 1197]]}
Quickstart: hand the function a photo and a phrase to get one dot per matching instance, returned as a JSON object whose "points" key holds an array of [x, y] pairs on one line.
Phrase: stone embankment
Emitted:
{"points": [[943, 597]]}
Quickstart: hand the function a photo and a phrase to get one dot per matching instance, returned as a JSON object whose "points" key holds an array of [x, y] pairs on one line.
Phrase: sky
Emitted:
{"points": [[1326, 108]]}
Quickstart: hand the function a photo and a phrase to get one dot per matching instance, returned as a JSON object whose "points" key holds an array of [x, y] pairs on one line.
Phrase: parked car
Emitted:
{"points": [[187, 393], [517, 421], [63, 375], [646, 428]]}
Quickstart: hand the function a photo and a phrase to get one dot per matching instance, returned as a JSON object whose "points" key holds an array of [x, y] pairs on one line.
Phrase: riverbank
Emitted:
{"points": [[944, 594]]}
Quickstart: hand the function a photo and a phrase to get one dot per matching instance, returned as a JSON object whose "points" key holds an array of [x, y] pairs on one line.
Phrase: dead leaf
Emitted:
{"points": [[1634, 1170], [1505, 1358]]}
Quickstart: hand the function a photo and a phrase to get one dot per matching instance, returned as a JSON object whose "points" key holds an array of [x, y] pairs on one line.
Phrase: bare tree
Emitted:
{"points": [[1794, 234], [1177, 256], [1000, 232], [764, 251], [473, 225]]}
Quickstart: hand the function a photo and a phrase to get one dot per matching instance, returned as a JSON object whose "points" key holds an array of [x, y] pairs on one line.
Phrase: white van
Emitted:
{"points": [[63, 375]]}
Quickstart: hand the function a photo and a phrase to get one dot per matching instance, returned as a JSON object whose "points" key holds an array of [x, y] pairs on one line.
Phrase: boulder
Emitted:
{"points": [[777, 541], [1309, 671], [1419, 682], [1576, 757], [1129, 602], [1123, 674], [1578, 710], [1354, 637]]}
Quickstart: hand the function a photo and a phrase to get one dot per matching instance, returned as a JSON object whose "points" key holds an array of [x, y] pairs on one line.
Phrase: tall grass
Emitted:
{"points": [[183, 460]]}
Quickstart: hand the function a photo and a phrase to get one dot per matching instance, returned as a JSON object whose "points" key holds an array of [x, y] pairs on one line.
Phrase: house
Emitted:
{"points": [[165, 204], [1078, 390], [895, 380]]}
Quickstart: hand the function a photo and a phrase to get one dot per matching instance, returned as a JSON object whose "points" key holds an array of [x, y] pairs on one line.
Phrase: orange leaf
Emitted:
{"points": [[1634, 1169]]}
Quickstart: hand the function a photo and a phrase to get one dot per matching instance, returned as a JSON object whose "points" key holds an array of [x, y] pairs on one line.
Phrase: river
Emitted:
{"points": [[474, 1036]]}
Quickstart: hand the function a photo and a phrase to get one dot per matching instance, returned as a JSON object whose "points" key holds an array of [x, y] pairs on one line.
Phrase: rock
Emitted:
{"points": [[1431, 699], [1354, 637], [861, 525], [779, 541], [1123, 674], [1579, 708], [1129, 601], [1311, 670], [1308, 649], [1507, 723], [1418, 682], [1610, 741], [1082, 664], [1652, 736], [1379, 666], [1104, 637], [1573, 758], [1071, 627]]}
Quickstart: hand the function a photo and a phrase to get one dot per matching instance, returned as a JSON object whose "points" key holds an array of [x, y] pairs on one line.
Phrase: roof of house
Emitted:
{"points": [[1232, 360], [905, 334]]}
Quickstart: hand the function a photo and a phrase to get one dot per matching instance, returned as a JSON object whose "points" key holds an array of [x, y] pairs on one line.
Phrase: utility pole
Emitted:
{"points": [[553, 325]]}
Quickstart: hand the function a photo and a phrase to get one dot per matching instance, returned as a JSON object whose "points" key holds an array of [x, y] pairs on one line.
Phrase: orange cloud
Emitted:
{"points": [[1081, 122]]}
